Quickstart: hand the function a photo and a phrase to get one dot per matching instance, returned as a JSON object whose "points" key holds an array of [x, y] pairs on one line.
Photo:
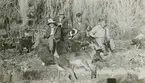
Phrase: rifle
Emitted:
{"points": [[107, 41]]}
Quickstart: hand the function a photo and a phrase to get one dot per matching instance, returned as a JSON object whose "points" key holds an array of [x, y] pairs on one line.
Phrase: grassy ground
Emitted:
{"points": [[126, 64]]}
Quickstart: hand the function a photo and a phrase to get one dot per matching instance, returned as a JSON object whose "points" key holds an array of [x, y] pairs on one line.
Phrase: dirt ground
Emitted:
{"points": [[126, 65]]}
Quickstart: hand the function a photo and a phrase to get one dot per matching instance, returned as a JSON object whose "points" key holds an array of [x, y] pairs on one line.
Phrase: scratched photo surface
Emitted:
{"points": [[72, 41]]}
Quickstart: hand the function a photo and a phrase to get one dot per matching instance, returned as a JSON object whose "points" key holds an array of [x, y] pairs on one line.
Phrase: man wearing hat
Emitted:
{"points": [[81, 25], [27, 32], [62, 23], [52, 33], [102, 38]]}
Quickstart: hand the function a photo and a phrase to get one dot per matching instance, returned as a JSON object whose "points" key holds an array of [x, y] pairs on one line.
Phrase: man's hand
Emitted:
{"points": [[46, 36], [52, 36], [59, 24], [92, 35]]}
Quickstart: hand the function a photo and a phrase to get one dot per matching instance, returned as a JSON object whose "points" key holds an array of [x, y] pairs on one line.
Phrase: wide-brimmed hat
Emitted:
{"points": [[61, 13], [78, 15], [51, 21]]}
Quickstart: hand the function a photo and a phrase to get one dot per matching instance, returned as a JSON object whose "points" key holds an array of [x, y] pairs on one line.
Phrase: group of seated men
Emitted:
{"points": [[57, 30]]}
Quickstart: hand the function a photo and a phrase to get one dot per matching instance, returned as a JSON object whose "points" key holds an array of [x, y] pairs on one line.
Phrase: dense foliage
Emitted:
{"points": [[121, 15]]}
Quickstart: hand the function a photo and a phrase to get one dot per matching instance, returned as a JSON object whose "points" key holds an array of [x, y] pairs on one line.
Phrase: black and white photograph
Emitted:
{"points": [[72, 41]]}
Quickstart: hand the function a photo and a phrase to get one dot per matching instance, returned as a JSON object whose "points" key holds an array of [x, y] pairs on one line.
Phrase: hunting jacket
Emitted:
{"points": [[99, 32], [82, 26], [64, 21], [57, 32]]}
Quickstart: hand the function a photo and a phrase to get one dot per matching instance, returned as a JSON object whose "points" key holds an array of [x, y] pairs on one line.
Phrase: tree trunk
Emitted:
{"points": [[23, 10]]}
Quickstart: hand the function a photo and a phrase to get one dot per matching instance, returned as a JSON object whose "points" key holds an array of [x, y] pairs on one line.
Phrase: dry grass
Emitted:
{"points": [[122, 15], [23, 10], [125, 14], [122, 62]]}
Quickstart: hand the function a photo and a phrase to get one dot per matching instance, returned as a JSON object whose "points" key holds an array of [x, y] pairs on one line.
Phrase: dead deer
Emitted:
{"points": [[68, 60], [86, 59]]}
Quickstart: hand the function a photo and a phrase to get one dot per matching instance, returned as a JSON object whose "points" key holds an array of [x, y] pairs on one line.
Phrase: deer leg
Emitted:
{"points": [[86, 65], [4, 51], [91, 68], [28, 49], [72, 76], [137, 46], [94, 73]]}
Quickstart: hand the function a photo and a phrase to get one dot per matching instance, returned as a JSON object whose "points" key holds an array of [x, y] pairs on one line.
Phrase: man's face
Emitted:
{"points": [[89, 28], [51, 25], [103, 24], [61, 16], [79, 19]]}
